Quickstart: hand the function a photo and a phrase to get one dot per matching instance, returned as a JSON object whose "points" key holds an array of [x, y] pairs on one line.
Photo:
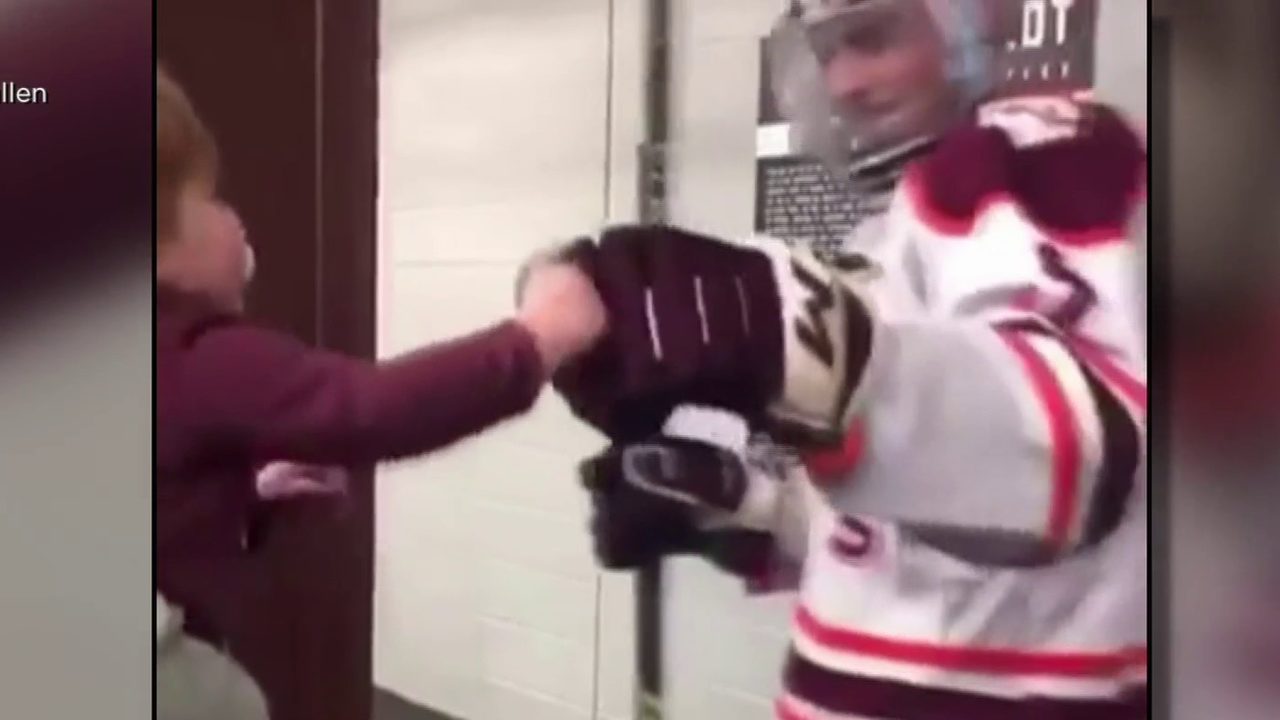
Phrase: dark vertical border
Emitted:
{"points": [[347, 77], [1159, 277], [152, 182]]}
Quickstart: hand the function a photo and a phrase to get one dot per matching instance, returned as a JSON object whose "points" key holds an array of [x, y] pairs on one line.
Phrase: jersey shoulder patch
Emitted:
{"points": [[1076, 171]]}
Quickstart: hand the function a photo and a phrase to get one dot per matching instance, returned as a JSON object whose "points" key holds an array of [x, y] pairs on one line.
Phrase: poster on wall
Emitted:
{"points": [[1045, 47]]}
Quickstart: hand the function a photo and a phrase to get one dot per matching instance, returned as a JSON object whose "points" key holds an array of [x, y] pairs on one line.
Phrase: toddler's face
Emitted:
{"points": [[210, 255]]}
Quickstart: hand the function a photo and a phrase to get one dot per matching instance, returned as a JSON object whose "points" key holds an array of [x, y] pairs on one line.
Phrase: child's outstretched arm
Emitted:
{"points": [[250, 389]]}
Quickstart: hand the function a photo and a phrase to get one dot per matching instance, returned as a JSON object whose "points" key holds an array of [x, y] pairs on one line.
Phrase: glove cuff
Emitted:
{"points": [[711, 426], [729, 432], [830, 330]]}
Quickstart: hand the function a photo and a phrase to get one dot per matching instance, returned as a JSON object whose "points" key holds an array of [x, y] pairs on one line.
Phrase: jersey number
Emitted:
{"points": [[852, 540]]}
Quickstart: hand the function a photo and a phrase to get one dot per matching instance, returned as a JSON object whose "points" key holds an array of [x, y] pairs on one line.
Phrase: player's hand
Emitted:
{"points": [[774, 335], [697, 460], [632, 527], [692, 319], [681, 495], [560, 307]]}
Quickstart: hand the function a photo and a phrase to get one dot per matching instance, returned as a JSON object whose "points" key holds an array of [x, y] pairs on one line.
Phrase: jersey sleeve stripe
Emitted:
{"points": [[982, 660], [1064, 438], [1112, 428], [1133, 390], [1117, 468]]}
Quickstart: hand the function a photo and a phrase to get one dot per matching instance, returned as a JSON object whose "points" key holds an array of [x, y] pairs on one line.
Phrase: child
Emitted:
{"points": [[232, 397]]}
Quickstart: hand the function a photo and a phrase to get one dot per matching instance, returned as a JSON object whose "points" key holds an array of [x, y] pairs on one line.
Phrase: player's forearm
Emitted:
{"points": [[986, 435]]}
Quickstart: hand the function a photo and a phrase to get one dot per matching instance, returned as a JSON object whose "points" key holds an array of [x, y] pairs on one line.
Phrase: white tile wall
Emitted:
{"points": [[723, 650], [488, 602], [1121, 68], [506, 125], [617, 647], [493, 144]]}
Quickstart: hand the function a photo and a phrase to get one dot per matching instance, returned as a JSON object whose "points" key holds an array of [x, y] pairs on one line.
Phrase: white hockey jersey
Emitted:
{"points": [[1003, 411]]}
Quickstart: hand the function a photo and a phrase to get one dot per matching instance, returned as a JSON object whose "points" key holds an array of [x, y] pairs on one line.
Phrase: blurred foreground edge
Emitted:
{"points": [[75, 188]]}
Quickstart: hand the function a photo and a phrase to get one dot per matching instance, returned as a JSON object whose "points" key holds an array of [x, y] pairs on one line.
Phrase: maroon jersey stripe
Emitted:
{"points": [[841, 694]]}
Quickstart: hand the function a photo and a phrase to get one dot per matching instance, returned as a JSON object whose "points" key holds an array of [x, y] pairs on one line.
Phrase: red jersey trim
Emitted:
{"points": [[825, 466], [984, 660]]}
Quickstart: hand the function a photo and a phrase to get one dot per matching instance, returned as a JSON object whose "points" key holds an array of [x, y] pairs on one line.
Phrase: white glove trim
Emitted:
{"points": [[729, 432]]}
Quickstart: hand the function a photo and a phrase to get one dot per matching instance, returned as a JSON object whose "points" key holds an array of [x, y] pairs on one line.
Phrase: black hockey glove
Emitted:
{"points": [[775, 336], [675, 495]]}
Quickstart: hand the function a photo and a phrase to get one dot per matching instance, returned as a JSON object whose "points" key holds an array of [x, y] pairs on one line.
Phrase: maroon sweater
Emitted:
{"points": [[231, 396]]}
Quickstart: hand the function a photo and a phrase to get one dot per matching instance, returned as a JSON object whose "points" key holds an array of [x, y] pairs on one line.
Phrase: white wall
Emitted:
{"points": [[503, 127], [1122, 56], [724, 651], [493, 143]]}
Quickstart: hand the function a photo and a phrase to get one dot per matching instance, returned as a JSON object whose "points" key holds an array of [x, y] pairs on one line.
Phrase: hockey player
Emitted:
{"points": [[964, 384]]}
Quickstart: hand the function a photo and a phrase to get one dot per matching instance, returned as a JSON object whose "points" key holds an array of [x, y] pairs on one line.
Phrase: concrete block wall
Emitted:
{"points": [[506, 124]]}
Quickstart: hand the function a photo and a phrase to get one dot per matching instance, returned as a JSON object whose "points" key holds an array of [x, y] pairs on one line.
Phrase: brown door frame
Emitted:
{"points": [[346, 312], [346, 268]]}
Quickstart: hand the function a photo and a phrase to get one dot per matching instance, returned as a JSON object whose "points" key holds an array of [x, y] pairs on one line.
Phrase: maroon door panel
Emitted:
{"points": [[289, 87]]}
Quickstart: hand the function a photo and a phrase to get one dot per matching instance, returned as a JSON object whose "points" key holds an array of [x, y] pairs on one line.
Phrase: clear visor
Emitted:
{"points": [[842, 44], [800, 91]]}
